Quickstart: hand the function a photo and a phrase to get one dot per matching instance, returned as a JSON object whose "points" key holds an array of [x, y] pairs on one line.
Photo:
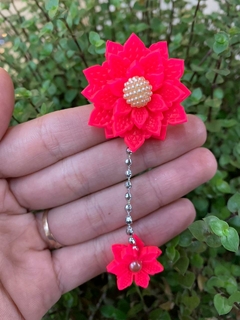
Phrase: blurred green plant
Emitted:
{"points": [[48, 45]]}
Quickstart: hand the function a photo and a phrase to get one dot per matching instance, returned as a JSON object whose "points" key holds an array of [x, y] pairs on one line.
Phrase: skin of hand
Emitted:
{"points": [[57, 161]]}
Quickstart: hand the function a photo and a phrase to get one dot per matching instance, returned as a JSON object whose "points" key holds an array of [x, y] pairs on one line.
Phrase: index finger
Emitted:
{"points": [[36, 144]]}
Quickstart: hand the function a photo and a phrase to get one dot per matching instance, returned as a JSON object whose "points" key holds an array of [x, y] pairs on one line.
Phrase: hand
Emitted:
{"points": [[59, 162]]}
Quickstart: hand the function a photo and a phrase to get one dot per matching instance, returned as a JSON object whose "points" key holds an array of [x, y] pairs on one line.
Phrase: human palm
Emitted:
{"points": [[59, 162]]}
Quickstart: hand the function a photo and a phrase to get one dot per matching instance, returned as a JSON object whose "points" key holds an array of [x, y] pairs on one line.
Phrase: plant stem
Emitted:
{"points": [[192, 29], [201, 62], [77, 44]]}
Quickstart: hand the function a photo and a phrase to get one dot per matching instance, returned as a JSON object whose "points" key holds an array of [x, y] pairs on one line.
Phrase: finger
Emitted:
{"points": [[77, 264], [8, 203], [6, 102], [103, 211], [101, 166], [41, 142]]}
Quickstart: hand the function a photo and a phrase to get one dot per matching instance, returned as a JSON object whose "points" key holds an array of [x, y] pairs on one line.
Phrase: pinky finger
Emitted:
{"points": [[79, 263]]}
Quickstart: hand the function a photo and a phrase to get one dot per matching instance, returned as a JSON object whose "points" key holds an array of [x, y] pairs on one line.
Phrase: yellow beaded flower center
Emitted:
{"points": [[137, 92]]}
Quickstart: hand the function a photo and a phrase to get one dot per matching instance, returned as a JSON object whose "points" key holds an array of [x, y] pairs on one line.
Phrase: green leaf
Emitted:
{"points": [[70, 94], [235, 297], [185, 239], [51, 4], [231, 241], [219, 227], [22, 93], [135, 309], [221, 42], [199, 229], [94, 37], [221, 304], [182, 265], [186, 280], [233, 203], [47, 49], [48, 28], [197, 94], [223, 186], [107, 311], [191, 302]]}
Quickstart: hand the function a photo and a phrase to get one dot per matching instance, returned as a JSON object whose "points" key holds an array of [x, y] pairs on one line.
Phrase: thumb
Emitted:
{"points": [[6, 101]]}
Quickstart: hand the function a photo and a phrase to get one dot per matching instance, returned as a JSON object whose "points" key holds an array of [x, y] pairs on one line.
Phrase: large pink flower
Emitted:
{"points": [[136, 92], [134, 263]]}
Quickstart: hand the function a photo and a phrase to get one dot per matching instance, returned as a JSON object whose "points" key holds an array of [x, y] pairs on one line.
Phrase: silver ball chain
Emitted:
{"points": [[128, 197]]}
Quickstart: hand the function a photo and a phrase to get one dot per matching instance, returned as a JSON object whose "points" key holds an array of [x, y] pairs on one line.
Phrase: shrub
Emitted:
{"points": [[48, 45]]}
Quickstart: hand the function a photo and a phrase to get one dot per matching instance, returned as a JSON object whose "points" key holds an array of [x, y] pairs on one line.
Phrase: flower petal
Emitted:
{"points": [[105, 98], [122, 124], [139, 242], [113, 48], [141, 279], [100, 118], [157, 103], [97, 75], [170, 93], [176, 115], [152, 63], [89, 92], [174, 69], [125, 280], [109, 133], [153, 123], [135, 70], [149, 253], [117, 268], [116, 87], [121, 107], [134, 48], [134, 139], [163, 133], [155, 79], [152, 267], [162, 47], [139, 116], [185, 91], [118, 66], [117, 251]]}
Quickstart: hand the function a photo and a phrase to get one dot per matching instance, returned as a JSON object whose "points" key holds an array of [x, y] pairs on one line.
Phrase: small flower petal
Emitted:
{"points": [[163, 133], [139, 116], [134, 48], [135, 70], [134, 139], [113, 48], [153, 123], [105, 98], [117, 86], [174, 69], [97, 75], [152, 267], [122, 124], [152, 63], [109, 132], [170, 93], [141, 279], [121, 107], [139, 242], [176, 115], [125, 280], [118, 66], [117, 268], [156, 80], [161, 46], [157, 103], [89, 92], [100, 118], [117, 251], [149, 253]]}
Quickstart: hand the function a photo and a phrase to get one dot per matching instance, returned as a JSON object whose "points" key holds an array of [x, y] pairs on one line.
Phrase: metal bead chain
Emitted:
{"points": [[128, 197]]}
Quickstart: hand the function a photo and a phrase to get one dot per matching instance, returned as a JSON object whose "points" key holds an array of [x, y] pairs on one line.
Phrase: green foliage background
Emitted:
{"points": [[48, 45]]}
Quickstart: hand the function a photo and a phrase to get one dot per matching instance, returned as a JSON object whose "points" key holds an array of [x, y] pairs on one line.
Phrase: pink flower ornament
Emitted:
{"points": [[136, 92], [134, 263]]}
